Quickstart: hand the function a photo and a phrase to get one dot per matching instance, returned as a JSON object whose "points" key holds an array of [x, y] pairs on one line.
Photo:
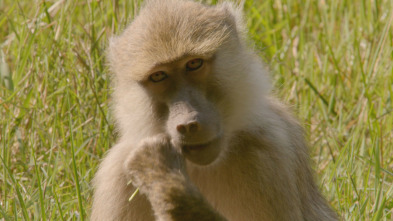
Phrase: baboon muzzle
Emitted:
{"points": [[192, 120], [193, 125]]}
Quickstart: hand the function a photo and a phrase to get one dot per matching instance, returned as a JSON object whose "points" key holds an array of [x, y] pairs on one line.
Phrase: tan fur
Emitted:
{"points": [[209, 144]]}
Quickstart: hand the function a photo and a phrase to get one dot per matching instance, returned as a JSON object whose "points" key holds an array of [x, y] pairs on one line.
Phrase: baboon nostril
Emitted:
{"points": [[181, 129], [193, 127]]}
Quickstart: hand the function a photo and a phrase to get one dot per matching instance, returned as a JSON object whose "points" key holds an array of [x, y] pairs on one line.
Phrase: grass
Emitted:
{"points": [[332, 61]]}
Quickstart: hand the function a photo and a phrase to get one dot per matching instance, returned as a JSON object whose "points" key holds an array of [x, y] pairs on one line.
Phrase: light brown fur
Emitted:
{"points": [[205, 144]]}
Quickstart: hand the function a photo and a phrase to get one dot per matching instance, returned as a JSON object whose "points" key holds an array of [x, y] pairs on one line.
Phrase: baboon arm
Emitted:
{"points": [[111, 197], [158, 170], [182, 202]]}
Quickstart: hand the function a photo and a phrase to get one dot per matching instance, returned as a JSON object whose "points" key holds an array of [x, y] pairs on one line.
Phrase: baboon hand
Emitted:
{"points": [[155, 162]]}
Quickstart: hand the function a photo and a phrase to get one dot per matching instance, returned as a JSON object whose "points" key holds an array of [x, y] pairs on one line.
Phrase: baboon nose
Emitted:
{"points": [[190, 127]]}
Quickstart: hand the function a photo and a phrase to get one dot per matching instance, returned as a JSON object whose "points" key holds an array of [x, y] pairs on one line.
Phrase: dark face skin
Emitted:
{"points": [[193, 121]]}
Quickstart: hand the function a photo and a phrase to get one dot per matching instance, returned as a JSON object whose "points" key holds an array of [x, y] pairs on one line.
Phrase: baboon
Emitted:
{"points": [[201, 137]]}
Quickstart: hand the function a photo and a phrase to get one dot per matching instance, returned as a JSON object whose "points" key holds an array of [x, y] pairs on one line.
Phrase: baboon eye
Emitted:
{"points": [[194, 64], [158, 76]]}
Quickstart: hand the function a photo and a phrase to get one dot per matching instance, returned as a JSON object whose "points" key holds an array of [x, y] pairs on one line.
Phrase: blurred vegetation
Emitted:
{"points": [[332, 61]]}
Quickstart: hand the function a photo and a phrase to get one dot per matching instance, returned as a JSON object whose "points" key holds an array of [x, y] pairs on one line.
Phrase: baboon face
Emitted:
{"points": [[192, 119], [174, 55]]}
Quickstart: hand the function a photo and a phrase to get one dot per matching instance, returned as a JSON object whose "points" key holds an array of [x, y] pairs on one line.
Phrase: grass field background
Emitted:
{"points": [[331, 61]]}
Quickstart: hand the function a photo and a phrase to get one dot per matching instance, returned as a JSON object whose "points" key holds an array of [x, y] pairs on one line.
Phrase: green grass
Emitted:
{"points": [[332, 61]]}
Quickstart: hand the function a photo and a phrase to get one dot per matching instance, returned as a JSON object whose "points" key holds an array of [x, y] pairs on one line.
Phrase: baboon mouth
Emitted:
{"points": [[193, 147], [200, 146], [202, 153]]}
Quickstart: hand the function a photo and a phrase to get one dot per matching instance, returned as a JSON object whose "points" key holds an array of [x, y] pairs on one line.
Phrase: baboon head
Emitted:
{"points": [[182, 72]]}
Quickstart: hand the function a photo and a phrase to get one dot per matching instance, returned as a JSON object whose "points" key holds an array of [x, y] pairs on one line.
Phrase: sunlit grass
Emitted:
{"points": [[331, 61]]}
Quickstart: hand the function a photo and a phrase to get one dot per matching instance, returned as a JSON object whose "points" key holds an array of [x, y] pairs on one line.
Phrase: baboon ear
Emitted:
{"points": [[235, 13]]}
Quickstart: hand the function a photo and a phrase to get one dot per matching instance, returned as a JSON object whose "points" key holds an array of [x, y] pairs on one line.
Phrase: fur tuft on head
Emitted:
{"points": [[177, 28]]}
